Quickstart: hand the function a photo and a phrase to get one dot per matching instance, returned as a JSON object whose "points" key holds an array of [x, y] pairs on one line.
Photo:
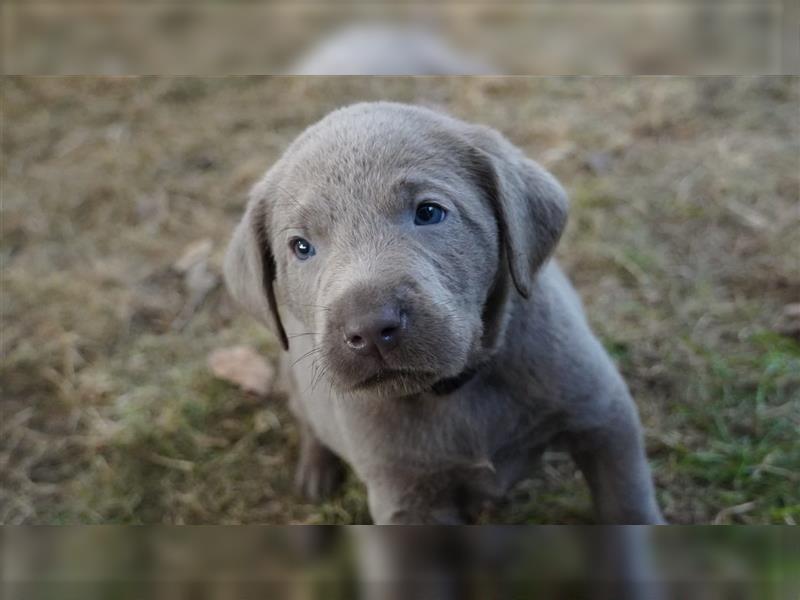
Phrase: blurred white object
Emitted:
{"points": [[387, 50]]}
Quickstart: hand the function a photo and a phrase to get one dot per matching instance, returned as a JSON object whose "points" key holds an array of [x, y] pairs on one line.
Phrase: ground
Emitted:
{"points": [[683, 242]]}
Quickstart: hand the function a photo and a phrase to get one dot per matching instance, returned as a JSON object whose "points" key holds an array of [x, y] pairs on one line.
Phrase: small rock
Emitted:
{"points": [[790, 320], [202, 163], [244, 367], [152, 210], [792, 311], [599, 163], [196, 252], [199, 281]]}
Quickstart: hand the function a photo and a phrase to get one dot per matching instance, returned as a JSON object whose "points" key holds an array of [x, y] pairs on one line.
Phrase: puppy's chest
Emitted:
{"points": [[515, 433], [481, 426]]}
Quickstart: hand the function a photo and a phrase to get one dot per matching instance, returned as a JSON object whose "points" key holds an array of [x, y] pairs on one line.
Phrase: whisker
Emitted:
{"points": [[314, 366], [307, 354], [317, 373], [297, 335], [323, 372], [313, 383]]}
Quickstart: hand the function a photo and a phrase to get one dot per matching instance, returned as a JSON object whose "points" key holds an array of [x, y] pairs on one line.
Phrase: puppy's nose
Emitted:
{"points": [[375, 331]]}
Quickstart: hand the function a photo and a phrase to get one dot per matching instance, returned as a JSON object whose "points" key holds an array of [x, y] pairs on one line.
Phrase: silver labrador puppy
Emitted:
{"points": [[401, 258]]}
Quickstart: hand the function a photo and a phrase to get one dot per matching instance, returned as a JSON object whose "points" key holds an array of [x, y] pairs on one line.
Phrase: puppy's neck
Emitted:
{"points": [[448, 385]]}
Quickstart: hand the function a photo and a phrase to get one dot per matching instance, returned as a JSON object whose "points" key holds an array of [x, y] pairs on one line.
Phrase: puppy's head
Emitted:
{"points": [[394, 235]]}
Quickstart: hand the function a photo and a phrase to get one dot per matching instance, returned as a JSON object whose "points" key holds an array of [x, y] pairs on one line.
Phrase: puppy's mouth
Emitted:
{"points": [[411, 380]]}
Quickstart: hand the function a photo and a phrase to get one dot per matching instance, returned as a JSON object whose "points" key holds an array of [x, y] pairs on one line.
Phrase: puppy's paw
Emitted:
{"points": [[319, 474]]}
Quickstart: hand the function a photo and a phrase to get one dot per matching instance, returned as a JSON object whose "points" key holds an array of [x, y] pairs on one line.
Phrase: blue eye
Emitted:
{"points": [[429, 213], [302, 248]]}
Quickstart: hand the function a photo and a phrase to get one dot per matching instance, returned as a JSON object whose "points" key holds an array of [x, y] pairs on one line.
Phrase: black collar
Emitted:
{"points": [[448, 385]]}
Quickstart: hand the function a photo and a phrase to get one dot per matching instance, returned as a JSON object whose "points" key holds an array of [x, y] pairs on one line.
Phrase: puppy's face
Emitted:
{"points": [[385, 248], [380, 232]]}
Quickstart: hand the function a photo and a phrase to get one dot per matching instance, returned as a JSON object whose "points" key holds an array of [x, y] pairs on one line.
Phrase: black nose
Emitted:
{"points": [[374, 331]]}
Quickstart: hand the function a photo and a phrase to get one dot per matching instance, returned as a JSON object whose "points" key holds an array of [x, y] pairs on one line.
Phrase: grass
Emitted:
{"points": [[682, 241]]}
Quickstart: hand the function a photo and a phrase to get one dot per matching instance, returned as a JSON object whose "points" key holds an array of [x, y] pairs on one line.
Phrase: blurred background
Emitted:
{"points": [[120, 194], [210, 37]]}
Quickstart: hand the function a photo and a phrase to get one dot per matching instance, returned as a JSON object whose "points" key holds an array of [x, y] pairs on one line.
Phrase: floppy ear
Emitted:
{"points": [[529, 203], [250, 267]]}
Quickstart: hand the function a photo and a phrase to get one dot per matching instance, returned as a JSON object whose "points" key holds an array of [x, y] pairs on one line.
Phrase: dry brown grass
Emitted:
{"points": [[683, 242]]}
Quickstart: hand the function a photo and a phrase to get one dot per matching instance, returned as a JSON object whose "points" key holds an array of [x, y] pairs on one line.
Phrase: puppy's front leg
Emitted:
{"points": [[612, 458], [319, 471]]}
